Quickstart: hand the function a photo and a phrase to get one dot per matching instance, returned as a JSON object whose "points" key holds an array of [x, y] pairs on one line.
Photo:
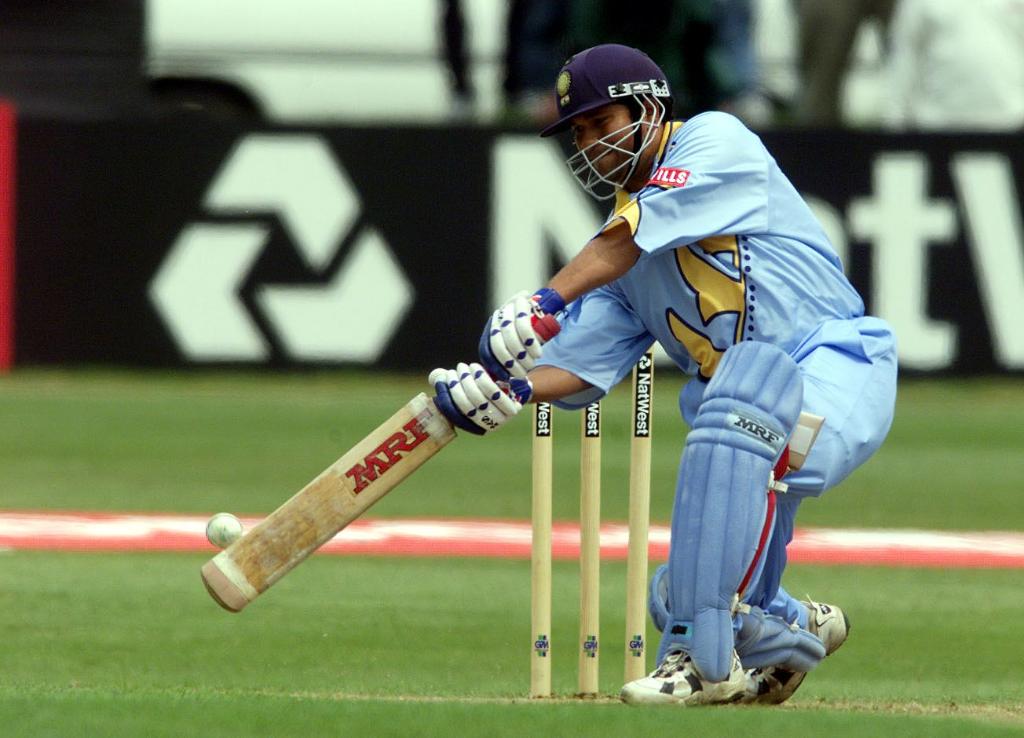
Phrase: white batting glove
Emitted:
{"points": [[471, 399], [512, 339]]}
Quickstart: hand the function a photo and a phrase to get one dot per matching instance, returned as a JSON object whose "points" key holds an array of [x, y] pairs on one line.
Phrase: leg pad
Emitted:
{"points": [[721, 509]]}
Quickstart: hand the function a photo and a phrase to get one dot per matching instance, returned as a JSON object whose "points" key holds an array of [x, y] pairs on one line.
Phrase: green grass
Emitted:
{"points": [[130, 644], [402, 647], [244, 442]]}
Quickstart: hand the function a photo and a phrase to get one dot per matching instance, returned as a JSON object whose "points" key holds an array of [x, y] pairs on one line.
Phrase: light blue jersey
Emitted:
{"points": [[731, 253]]}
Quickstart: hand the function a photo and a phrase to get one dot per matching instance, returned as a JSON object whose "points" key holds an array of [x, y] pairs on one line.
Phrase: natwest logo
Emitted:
{"points": [[670, 177], [202, 288], [642, 397], [392, 451], [592, 423], [542, 421]]}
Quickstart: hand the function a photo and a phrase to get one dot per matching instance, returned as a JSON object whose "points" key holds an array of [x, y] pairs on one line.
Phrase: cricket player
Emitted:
{"points": [[710, 251]]}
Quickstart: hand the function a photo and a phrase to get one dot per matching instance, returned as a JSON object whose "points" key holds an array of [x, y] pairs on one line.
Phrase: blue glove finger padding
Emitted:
{"points": [[721, 508], [521, 389], [487, 358], [450, 410]]}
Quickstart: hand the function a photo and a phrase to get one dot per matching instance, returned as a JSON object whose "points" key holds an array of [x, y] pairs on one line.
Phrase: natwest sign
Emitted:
{"points": [[301, 247]]}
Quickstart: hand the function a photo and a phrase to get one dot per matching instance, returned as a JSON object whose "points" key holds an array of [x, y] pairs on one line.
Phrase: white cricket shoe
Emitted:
{"points": [[774, 685], [677, 681]]}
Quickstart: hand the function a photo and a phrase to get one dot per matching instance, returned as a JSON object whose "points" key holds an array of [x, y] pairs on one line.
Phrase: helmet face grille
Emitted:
{"points": [[583, 164]]}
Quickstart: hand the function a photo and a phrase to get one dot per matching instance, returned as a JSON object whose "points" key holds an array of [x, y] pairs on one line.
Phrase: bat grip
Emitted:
{"points": [[546, 326]]}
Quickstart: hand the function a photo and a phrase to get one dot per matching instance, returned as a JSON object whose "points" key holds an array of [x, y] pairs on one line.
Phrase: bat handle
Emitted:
{"points": [[546, 326]]}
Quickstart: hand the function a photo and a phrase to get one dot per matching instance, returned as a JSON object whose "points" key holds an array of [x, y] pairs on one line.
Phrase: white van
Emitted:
{"points": [[297, 61]]}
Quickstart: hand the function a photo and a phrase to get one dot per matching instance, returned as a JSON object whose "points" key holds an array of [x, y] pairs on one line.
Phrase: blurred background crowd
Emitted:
{"points": [[904, 64], [893, 64]]}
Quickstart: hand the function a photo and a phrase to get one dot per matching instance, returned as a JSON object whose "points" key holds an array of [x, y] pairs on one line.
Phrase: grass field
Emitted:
{"points": [[130, 644]]}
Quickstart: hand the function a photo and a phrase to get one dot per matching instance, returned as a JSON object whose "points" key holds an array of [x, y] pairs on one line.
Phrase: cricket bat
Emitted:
{"points": [[340, 494]]}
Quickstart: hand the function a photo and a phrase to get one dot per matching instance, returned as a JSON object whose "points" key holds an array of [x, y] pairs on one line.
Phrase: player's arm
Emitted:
{"points": [[605, 258], [514, 334], [550, 383]]}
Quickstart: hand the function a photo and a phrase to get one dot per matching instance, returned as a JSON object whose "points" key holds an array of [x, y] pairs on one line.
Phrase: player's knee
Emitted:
{"points": [[752, 401], [760, 374]]}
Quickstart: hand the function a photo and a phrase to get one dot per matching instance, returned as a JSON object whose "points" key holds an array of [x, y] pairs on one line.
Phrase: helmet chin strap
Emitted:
{"points": [[639, 144], [637, 141]]}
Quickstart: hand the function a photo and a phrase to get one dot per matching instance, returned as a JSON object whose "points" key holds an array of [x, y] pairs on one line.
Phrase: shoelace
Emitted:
{"points": [[671, 664]]}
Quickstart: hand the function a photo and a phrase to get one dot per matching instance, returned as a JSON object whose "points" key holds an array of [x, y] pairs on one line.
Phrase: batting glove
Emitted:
{"points": [[512, 339], [470, 398]]}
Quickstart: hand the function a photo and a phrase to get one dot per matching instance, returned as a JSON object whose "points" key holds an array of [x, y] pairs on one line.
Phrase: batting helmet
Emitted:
{"points": [[605, 74]]}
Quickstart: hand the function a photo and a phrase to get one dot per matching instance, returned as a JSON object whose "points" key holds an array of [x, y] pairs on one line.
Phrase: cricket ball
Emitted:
{"points": [[223, 530]]}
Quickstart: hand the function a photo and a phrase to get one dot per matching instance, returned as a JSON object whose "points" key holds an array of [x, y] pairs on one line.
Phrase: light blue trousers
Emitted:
{"points": [[849, 374]]}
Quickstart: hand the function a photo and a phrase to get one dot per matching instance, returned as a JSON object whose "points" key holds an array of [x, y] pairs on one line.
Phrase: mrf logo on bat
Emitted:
{"points": [[386, 455]]}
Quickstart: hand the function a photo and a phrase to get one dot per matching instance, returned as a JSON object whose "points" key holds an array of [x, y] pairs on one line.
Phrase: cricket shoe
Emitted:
{"points": [[677, 681], [774, 685]]}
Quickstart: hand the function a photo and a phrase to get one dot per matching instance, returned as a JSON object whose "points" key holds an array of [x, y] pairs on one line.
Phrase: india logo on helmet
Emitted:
{"points": [[562, 87]]}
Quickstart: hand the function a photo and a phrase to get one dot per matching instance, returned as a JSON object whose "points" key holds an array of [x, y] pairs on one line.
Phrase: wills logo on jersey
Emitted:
{"points": [[670, 177], [391, 450]]}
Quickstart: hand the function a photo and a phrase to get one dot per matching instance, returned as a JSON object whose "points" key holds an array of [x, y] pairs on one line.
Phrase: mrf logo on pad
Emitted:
{"points": [[756, 429], [392, 450]]}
